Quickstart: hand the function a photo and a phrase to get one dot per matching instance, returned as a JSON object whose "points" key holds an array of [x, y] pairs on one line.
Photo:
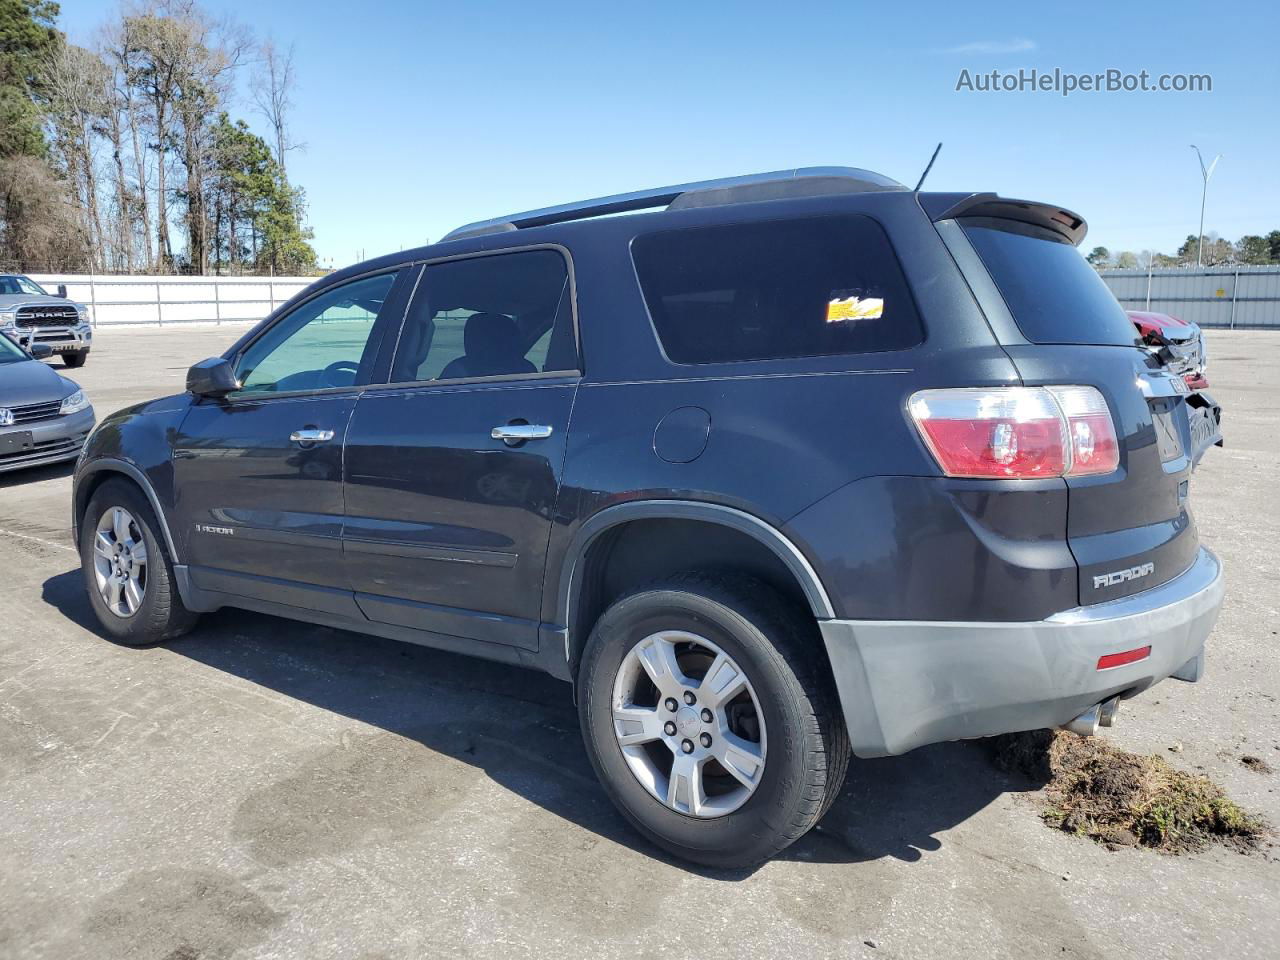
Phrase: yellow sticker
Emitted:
{"points": [[854, 308]]}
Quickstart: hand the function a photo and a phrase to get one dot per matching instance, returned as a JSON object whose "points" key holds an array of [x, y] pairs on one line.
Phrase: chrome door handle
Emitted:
{"points": [[311, 436], [518, 432]]}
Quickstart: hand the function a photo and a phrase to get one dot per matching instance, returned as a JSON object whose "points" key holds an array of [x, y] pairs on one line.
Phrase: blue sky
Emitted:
{"points": [[419, 116]]}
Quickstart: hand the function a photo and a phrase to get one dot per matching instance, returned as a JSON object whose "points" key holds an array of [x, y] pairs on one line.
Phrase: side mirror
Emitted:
{"points": [[212, 378], [40, 351], [62, 290]]}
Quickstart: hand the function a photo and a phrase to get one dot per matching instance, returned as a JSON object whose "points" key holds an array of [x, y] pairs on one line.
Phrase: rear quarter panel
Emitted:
{"points": [[783, 434]]}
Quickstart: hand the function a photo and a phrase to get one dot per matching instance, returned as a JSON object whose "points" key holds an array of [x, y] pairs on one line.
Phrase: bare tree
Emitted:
{"points": [[114, 126], [76, 82], [213, 51], [38, 219], [139, 141], [120, 48], [184, 64], [272, 86], [158, 51]]}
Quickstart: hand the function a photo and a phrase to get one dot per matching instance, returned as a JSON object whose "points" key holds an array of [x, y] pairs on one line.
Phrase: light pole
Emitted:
{"points": [[1204, 193]]}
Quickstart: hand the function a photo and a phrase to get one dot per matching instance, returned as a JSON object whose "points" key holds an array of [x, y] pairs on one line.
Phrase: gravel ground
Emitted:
{"points": [[268, 789]]}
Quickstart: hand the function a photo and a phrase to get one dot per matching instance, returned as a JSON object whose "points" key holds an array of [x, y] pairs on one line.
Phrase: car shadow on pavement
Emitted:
{"points": [[521, 728], [28, 475]]}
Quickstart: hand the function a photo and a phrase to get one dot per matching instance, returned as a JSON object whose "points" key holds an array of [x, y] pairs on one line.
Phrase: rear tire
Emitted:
{"points": [[75, 358], [136, 603], [782, 732]]}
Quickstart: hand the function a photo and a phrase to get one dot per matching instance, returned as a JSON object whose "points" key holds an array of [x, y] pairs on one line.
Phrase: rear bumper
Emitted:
{"points": [[904, 684]]}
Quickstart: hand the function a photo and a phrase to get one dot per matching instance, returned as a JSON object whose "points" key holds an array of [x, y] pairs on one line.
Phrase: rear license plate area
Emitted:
{"points": [[17, 442], [1164, 414]]}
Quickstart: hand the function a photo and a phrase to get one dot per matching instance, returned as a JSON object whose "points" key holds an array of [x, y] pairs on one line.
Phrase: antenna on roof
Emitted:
{"points": [[928, 168]]}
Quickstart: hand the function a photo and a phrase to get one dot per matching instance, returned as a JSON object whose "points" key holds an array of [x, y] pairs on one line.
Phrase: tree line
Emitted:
{"points": [[1251, 250], [123, 156]]}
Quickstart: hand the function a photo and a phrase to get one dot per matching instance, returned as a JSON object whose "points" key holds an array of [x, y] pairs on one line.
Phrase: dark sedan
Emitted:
{"points": [[44, 417]]}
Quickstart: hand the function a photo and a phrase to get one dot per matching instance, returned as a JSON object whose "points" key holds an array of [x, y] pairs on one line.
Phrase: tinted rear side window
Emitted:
{"points": [[500, 315], [775, 289], [1053, 294]]}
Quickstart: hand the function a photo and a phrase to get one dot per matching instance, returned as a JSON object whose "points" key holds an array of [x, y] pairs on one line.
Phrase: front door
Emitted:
{"points": [[260, 471], [453, 468]]}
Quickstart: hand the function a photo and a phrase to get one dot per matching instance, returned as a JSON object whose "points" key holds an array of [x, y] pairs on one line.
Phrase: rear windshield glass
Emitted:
{"points": [[1053, 294], [780, 288]]}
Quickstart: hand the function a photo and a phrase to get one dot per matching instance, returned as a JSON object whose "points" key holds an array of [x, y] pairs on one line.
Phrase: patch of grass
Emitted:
{"points": [[1096, 790]]}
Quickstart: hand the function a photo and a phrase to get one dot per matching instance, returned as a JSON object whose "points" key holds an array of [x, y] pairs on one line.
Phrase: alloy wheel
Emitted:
{"points": [[689, 724], [120, 562]]}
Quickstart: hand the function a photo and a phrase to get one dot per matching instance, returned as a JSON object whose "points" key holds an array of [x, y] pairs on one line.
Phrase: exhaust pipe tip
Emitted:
{"points": [[1085, 725], [1109, 712]]}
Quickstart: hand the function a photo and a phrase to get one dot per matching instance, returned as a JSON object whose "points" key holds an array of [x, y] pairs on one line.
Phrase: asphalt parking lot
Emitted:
{"points": [[268, 789]]}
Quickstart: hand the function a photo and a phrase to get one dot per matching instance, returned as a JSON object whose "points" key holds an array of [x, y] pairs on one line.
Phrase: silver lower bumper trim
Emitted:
{"points": [[904, 684]]}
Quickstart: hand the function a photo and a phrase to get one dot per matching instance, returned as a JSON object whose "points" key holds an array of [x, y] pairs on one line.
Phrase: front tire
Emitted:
{"points": [[75, 358], [128, 572], [755, 749]]}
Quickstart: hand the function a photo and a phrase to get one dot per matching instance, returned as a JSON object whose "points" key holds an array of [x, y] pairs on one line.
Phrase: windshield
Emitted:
{"points": [[20, 285], [1052, 292], [10, 352]]}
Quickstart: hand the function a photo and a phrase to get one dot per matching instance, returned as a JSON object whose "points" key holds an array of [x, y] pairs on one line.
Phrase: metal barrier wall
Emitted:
{"points": [[164, 300], [1210, 296]]}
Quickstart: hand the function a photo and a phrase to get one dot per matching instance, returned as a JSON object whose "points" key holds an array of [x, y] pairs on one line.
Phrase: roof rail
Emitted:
{"points": [[802, 181]]}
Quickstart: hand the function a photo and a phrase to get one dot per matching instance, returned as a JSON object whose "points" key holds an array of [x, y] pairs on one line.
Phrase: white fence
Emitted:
{"points": [[1210, 296], [164, 300]]}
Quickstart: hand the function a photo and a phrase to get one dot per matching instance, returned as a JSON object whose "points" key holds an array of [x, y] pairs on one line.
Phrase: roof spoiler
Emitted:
{"points": [[949, 206]]}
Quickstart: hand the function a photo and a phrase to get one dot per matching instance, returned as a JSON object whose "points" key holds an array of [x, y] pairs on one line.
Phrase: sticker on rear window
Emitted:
{"points": [[853, 307]]}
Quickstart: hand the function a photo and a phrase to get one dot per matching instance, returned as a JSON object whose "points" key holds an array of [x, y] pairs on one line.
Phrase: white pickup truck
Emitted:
{"points": [[29, 315]]}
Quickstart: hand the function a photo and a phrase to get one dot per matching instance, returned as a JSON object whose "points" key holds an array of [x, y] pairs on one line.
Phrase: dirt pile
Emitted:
{"points": [[1096, 790], [1256, 764]]}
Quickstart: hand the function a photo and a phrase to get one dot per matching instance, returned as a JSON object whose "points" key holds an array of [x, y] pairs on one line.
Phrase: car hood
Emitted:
{"points": [[31, 381], [8, 300]]}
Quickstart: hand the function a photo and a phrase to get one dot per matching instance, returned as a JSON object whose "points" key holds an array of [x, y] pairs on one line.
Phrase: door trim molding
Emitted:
{"points": [[457, 622], [420, 551]]}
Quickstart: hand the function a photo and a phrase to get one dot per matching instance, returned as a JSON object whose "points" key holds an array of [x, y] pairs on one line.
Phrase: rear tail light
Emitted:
{"points": [[1094, 447], [1017, 432]]}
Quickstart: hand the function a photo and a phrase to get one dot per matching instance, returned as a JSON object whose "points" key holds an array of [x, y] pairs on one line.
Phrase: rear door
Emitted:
{"points": [[453, 467], [1131, 529]]}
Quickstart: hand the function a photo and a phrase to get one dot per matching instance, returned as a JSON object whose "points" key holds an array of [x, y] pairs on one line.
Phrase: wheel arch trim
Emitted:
{"points": [[127, 469], [769, 536]]}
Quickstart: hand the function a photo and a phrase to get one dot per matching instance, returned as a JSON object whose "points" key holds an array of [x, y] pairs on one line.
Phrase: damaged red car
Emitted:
{"points": [[1180, 347]]}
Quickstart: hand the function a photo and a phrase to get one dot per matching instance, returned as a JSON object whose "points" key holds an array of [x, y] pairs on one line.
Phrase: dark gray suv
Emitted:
{"points": [[792, 465]]}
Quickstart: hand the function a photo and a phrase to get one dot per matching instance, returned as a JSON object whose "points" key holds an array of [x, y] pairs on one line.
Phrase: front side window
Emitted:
{"points": [[320, 345], [492, 316], [813, 287]]}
